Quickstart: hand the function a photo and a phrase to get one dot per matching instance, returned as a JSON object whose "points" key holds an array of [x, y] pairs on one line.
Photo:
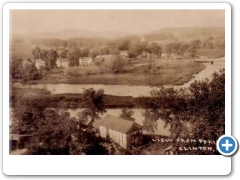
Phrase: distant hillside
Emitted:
{"points": [[68, 34], [185, 34]]}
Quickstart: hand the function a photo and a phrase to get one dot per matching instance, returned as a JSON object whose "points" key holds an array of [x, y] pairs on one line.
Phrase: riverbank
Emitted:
{"points": [[73, 101], [159, 73]]}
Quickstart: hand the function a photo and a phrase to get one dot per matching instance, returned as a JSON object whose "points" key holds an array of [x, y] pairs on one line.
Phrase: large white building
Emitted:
{"points": [[123, 132], [62, 62], [39, 63]]}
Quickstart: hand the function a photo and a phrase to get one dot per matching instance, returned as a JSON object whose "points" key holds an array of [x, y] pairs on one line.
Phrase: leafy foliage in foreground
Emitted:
{"points": [[54, 132], [195, 113]]}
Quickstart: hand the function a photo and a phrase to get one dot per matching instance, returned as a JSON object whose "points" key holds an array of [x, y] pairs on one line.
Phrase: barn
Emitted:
{"points": [[126, 133]]}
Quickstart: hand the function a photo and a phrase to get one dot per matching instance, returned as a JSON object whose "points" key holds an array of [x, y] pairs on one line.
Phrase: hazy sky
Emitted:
{"points": [[112, 20]]}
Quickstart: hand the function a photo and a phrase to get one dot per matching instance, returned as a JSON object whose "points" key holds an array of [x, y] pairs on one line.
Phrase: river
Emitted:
{"points": [[121, 90]]}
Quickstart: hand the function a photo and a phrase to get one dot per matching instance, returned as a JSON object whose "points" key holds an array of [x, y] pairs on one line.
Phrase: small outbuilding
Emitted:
{"points": [[126, 133]]}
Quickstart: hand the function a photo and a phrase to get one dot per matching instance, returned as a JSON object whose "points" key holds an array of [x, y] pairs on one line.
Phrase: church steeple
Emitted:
{"points": [[143, 39]]}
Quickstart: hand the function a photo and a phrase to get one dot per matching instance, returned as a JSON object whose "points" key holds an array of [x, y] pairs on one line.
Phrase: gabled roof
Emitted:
{"points": [[117, 124], [39, 61]]}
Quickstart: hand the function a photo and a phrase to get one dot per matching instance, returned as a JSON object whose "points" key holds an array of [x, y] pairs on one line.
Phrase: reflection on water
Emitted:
{"points": [[121, 90]]}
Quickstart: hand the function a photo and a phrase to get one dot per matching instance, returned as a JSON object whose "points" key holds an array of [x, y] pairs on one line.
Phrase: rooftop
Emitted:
{"points": [[117, 124]]}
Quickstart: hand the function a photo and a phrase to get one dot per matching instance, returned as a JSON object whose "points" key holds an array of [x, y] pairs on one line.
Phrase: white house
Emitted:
{"points": [[84, 61], [39, 63], [62, 62], [123, 132]]}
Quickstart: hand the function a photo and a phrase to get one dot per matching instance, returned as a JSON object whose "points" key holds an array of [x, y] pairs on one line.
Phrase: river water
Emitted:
{"points": [[124, 90], [120, 90]]}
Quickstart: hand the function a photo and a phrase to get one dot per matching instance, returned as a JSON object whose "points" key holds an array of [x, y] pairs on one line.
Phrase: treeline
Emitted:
{"points": [[24, 70], [68, 100], [197, 112], [180, 33], [133, 46]]}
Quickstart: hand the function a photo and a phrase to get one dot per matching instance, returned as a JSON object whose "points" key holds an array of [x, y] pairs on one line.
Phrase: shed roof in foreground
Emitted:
{"points": [[117, 124]]}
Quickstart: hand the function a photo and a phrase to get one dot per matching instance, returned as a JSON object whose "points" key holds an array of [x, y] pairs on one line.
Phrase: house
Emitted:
{"points": [[39, 63], [84, 61], [62, 62], [123, 132]]}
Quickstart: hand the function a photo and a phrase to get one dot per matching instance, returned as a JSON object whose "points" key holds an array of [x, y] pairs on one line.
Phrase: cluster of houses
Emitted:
{"points": [[61, 62], [64, 63]]}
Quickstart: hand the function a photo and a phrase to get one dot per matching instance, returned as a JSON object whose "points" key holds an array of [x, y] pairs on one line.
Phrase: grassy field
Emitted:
{"points": [[211, 53], [156, 73], [153, 72], [20, 50]]}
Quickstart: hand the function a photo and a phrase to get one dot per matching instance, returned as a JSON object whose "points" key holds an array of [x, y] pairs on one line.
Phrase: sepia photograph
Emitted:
{"points": [[116, 81]]}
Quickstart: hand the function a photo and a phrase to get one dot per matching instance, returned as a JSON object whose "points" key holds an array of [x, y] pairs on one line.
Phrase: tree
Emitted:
{"points": [[73, 56], [15, 68], [123, 45], [155, 49], [63, 54], [127, 114], [85, 52], [196, 44], [54, 132], [135, 50], [51, 58], [117, 64], [94, 105], [197, 113], [36, 52], [163, 104], [29, 72], [93, 53], [192, 52]]}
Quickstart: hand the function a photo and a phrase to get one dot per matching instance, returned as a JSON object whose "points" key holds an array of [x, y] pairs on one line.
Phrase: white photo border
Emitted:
{"points": [[118, 164]]}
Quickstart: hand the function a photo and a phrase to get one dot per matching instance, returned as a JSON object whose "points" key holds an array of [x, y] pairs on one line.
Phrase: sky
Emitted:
{"points": [[24, 21]]}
